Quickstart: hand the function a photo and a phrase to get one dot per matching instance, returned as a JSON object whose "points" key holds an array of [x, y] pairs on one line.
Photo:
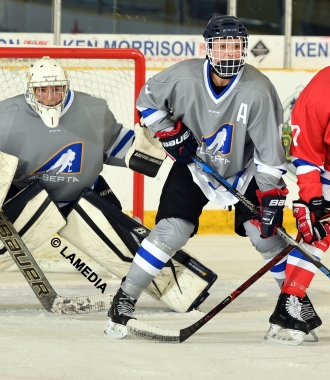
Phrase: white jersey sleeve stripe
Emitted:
{"points": [[274, 172], [306, 169], [152, 117]]}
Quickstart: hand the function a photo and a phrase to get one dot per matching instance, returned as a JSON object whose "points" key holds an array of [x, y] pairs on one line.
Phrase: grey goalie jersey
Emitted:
{"points": [[70, 157], [239, 131]]}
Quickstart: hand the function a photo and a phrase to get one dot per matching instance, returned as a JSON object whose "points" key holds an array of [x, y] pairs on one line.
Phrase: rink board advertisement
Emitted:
{"points": [[161, 51]]}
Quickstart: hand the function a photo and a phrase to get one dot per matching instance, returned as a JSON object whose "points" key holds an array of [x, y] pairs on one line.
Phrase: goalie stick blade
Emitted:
{"points": [[82, 305]]}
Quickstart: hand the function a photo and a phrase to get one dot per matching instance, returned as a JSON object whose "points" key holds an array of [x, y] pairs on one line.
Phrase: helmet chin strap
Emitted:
{"points": [[219, 75]]}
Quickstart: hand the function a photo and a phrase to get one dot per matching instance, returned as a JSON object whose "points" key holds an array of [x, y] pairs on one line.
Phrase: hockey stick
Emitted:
{"points": [[38, 282], [170, 336], [279, 230]]}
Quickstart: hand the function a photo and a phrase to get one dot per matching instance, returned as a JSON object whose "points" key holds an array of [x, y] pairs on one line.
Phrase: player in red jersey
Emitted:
{"points": [[310, 154]]}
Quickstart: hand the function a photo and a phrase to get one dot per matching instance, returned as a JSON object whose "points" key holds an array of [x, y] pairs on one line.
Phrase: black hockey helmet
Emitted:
{"points": [[228, 57], [225, 26]]}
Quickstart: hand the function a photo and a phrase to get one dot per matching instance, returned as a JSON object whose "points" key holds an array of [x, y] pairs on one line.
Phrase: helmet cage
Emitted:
{"points": [[226, 55], [31, 92]]}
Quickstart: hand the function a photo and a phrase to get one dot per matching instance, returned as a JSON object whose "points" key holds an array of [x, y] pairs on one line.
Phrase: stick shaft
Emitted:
{"points": [[26, 263], [188, 331], [279, 230]]}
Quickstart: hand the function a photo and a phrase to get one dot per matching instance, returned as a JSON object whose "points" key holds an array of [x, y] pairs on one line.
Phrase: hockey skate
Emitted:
{"points": [[120, 312], [287, 316], [310, 316]]}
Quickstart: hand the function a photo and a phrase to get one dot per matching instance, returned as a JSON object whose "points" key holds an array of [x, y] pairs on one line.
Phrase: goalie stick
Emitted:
{"points": [[279, 230], [38, 282]]}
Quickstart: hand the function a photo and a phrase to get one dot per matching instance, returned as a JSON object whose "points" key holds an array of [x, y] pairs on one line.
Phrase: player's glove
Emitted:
{"points": [[272, 203], [307, 218], [178, 143]]}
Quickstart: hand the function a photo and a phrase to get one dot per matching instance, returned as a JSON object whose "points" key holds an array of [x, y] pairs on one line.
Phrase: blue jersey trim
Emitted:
{"points": [[122, 143]]}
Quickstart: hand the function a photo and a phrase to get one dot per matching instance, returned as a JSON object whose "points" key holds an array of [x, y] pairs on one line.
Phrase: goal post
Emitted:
{"points": [[116, 75]]}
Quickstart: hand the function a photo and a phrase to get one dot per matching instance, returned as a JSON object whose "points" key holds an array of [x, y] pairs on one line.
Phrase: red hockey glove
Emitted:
{"points": [[178, 143], [321, 230], [272, 203], [307, 216]]}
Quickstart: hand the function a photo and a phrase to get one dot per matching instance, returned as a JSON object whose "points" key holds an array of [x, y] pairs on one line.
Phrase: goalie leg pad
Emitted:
{"points": [[112, 238], [89, 231], [8, 166], [35, 216]]}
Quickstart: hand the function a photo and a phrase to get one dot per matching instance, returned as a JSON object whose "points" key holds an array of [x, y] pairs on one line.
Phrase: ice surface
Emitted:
{"points": [[35, 344]]}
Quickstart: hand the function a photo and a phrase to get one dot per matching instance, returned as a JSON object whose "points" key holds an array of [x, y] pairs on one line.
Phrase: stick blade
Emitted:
{"points": [[154, 334]]}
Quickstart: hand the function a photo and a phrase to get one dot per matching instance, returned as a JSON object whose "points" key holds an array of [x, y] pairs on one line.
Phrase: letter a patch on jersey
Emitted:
{"points": [[220, 141], [67, 160]]}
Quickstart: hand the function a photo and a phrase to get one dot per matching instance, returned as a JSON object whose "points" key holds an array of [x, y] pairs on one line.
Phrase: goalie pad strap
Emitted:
{"points": [[30, 223], [100, 233], [34, 215]]}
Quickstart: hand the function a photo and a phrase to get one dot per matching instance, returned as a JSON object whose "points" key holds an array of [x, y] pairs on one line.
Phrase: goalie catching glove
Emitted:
{"points": [[146, 154], [178, 143], [272, 203], [307, 217]]}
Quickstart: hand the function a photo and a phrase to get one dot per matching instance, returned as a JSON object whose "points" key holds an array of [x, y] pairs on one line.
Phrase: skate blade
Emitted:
{"points": [[115, 330], [315, 334], [295, 339]]}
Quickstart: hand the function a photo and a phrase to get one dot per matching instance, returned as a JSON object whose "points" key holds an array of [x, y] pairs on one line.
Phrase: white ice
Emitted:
{"points": [[35, 344]]}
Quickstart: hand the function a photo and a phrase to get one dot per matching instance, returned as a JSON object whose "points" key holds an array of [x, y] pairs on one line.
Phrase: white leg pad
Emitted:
{"points": [[43, 228], [96, 245]]}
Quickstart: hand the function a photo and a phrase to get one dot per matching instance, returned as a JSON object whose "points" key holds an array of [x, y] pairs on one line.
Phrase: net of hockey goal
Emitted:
{"points": [[116, 75]]}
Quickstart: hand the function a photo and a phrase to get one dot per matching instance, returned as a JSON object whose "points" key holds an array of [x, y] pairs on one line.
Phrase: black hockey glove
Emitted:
{"points": [[178, 143], [272, 203], [307, 215]]}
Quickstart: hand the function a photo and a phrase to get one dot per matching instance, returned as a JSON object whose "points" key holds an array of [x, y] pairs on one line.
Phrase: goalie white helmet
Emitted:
{"points": [[46, 89]]}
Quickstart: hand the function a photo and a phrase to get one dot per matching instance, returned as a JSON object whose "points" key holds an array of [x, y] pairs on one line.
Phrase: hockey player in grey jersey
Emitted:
{"points": [[62, 138], [230, 114]]}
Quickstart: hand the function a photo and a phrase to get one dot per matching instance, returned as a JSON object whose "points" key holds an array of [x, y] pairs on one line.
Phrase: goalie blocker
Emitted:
{"points": [[111, 238], [146, 154], [34, 215]]}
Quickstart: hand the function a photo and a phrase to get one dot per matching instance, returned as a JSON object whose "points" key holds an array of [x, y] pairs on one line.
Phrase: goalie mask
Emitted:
{"points": [[226, 41], [46, 89]]}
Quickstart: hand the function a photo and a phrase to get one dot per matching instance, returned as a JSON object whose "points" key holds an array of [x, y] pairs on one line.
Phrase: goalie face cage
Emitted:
{"points": [[116, 75]]}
